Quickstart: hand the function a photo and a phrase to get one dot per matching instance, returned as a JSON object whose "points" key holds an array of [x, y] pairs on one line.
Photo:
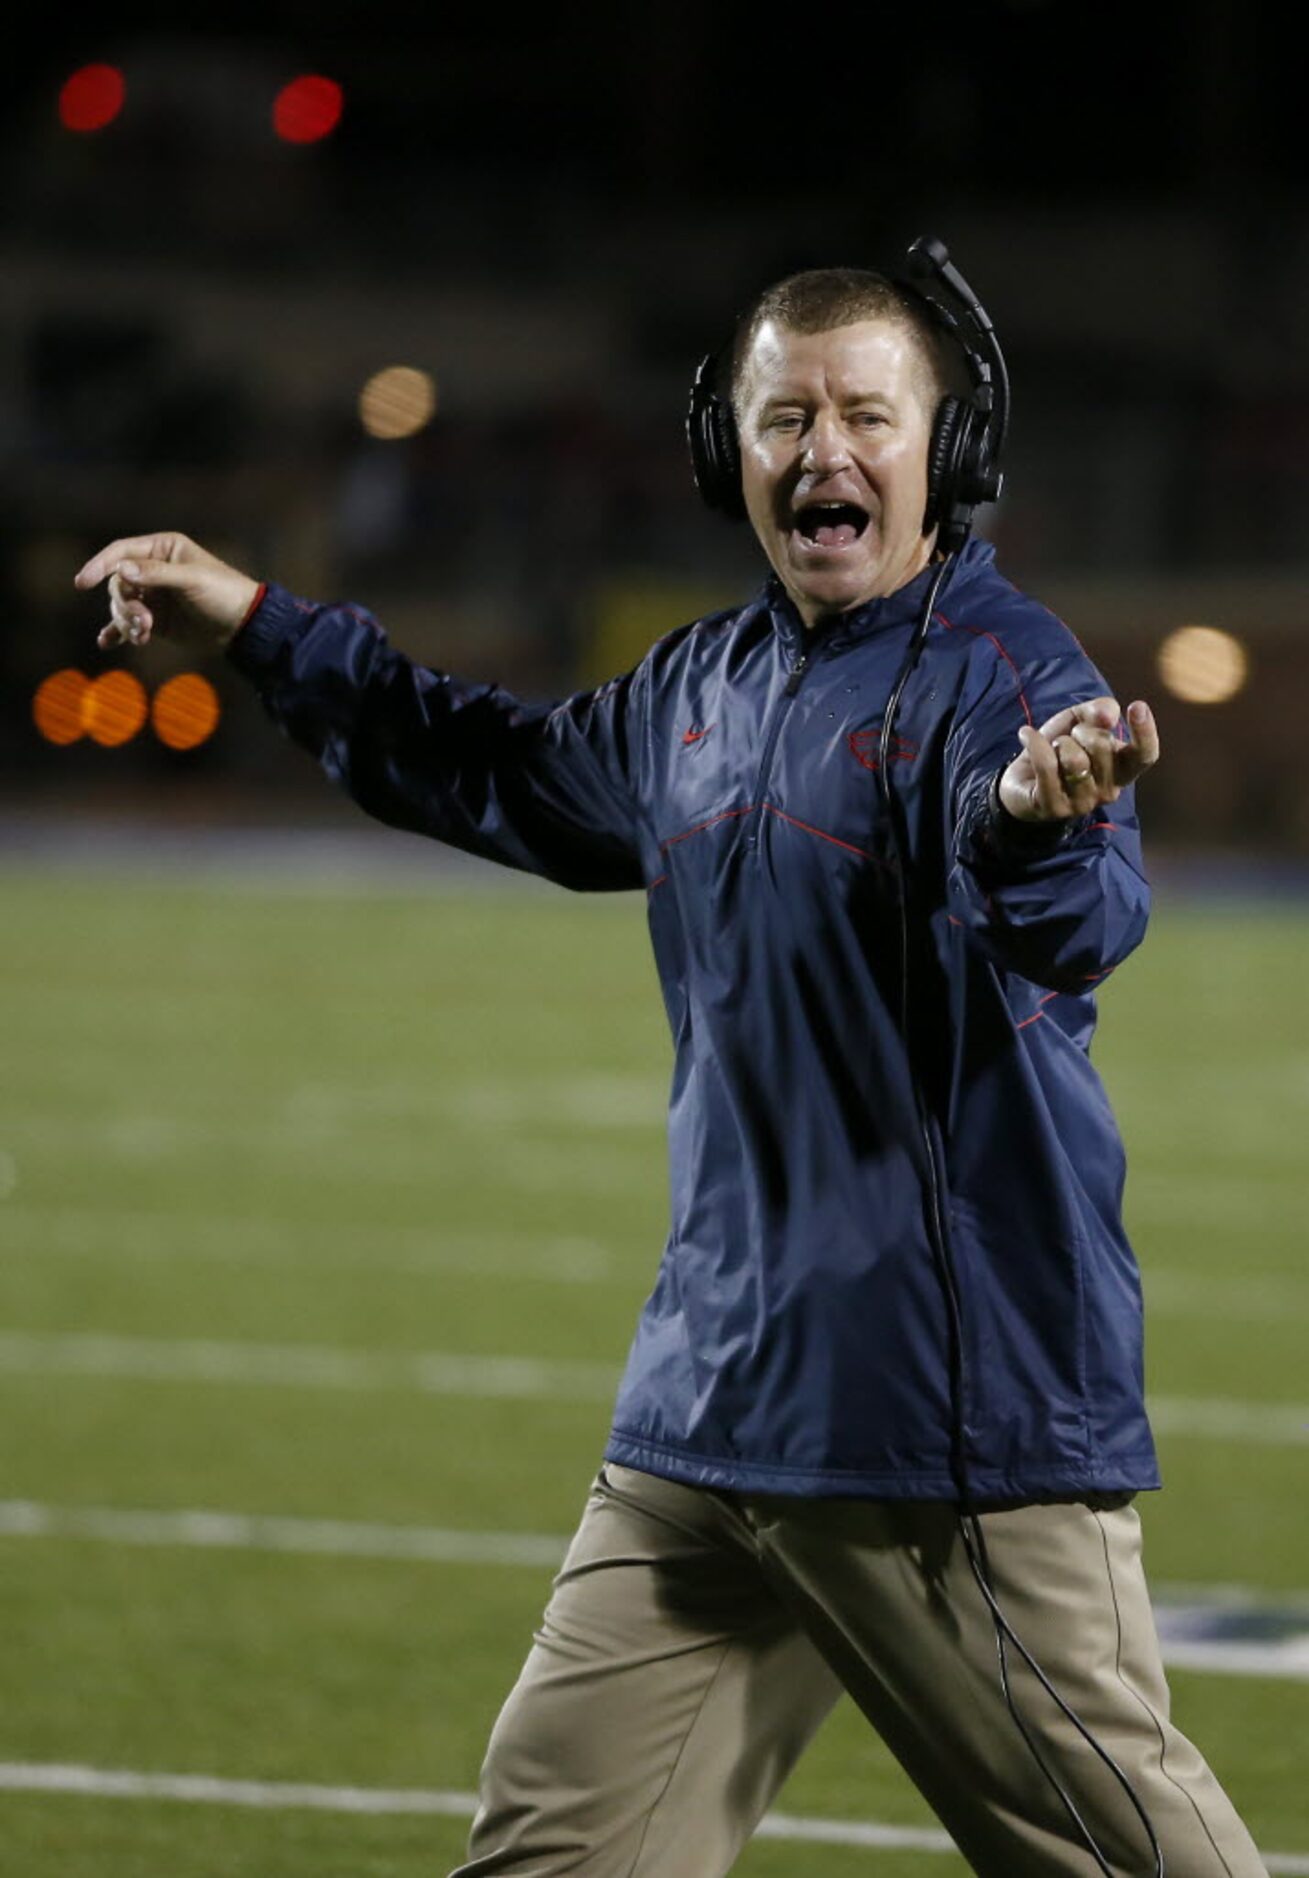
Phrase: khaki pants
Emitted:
{"points": [[695, 1640]]}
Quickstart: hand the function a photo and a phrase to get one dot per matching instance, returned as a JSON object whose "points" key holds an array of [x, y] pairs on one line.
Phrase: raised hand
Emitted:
{"points": [[167, 583], [1074, 761]]}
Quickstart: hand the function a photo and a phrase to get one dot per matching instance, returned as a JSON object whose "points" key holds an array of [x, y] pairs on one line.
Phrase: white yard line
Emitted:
{"points": [[280, 1532], [1253, 1297], [105, 1233], [1176, 1608], [309, 1246], [265, 1532], [278, 1796], [114, 1783], [552, 1162], [300, 1366], [1271, 1424], [1285, 1661], [317, 1366]]}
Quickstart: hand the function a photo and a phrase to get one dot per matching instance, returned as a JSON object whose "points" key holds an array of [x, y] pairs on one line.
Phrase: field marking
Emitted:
{"points": [[106, 1233], [1273, 1424], [1253, 1297], [282, 1795], [93, 1232], [72, 1232], [300, 1366], [122, 1784], [319, 1366], [555, 1163], [1189, 1635], [1287, 1661], [276, 1532]]}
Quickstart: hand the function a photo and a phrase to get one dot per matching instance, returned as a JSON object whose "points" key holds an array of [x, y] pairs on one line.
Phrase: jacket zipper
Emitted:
{"points": [[789, 690]]}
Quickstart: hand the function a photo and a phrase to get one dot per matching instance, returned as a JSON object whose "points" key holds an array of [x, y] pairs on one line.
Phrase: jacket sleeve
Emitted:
{"points": [[545, 788], [1060, 903]]}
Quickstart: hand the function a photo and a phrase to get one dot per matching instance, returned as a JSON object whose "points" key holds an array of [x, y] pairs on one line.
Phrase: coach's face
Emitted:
{"points": [[834, 429]]}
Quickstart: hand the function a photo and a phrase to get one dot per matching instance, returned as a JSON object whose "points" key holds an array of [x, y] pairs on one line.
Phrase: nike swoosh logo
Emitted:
{"points": [[694, 736]]}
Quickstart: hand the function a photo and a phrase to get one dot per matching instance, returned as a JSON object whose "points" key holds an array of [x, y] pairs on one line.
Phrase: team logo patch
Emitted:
{"points": [[865, 744]]}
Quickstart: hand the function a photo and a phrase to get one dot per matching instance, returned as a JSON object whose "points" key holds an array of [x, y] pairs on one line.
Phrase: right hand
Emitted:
{"points": [[168, 584]]}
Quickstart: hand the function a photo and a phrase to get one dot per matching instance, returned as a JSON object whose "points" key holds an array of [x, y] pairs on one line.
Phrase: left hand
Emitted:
{"points": [[1074, 761], [169, 583]]}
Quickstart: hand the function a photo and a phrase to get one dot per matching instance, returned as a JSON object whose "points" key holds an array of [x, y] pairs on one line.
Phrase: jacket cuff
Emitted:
{"points": [[993, 835], [275, 616]]}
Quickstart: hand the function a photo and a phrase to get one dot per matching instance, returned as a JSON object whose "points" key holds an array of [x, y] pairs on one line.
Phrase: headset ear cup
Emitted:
{"points": [[942, 457], [715, 451], [727, 449]]}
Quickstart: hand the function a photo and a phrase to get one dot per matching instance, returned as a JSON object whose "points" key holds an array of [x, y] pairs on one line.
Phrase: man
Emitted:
{"points": [[889, 1376]]}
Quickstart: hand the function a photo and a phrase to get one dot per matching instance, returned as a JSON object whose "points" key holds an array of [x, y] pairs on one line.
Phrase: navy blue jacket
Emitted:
{"points": [[796, 1336]]}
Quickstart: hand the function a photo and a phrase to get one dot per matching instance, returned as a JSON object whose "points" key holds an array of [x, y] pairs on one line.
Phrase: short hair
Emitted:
{"points": [[823, 298]]}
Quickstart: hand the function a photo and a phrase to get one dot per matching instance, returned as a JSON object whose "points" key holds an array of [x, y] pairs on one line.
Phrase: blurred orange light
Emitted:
{"points": [[58, 707], [185, 711], [115, 707], [91, 98], [307, 109]]}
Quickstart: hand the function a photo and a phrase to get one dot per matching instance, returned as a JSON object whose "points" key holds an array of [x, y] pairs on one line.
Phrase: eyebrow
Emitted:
{"points": [[859, 397]]}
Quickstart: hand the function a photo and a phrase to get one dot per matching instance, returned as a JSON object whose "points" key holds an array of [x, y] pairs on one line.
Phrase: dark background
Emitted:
{"points": [[556, 220]]}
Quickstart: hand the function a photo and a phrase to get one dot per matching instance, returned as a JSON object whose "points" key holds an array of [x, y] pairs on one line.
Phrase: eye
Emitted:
{"points": [[785, 420], [868, 420]]}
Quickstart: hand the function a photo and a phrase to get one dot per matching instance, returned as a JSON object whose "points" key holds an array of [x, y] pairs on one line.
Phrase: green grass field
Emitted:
{"points": [[373, 1126]]}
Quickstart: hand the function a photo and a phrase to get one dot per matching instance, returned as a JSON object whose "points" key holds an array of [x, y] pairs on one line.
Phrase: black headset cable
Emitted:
{"points": [[970, 1527]]}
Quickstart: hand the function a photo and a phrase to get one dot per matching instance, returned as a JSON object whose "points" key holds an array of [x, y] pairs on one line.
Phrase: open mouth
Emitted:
{"points": [[830, 524]]}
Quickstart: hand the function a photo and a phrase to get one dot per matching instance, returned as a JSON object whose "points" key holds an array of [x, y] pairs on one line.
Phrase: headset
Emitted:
{"points": [[968, 434], [963, 471]]}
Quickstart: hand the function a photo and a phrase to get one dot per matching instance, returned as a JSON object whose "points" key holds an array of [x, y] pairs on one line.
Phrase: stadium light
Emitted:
{"points": [[91, 97], [185, 711], [307, 109], [57, 706], [397, 402], [114, 708], [1203, 664], [109, 709]]}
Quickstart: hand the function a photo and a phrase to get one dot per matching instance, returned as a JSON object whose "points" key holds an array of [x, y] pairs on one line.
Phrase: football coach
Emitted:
{"points": [[882, 1423]]}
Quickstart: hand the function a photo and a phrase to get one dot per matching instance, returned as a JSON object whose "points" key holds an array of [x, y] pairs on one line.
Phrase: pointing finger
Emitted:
{"points": [[109, 558], [165, 548]]}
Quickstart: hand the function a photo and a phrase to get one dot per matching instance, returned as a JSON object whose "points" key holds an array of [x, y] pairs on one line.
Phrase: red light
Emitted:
{"points": [[91, 98], [307, 109]]}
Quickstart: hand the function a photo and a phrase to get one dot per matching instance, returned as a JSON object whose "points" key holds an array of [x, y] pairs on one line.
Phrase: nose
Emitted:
{"points": [[827, 450]]}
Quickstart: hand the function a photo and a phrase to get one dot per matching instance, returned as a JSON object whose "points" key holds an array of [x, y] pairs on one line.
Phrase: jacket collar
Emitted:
{"points": [[893, 609]]}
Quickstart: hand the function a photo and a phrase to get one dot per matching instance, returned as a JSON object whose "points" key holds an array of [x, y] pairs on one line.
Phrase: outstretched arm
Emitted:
{"points": [[545, 788]]}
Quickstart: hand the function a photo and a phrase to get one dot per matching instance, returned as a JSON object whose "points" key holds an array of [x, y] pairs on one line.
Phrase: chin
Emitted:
{"points": [[837, 593]]}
